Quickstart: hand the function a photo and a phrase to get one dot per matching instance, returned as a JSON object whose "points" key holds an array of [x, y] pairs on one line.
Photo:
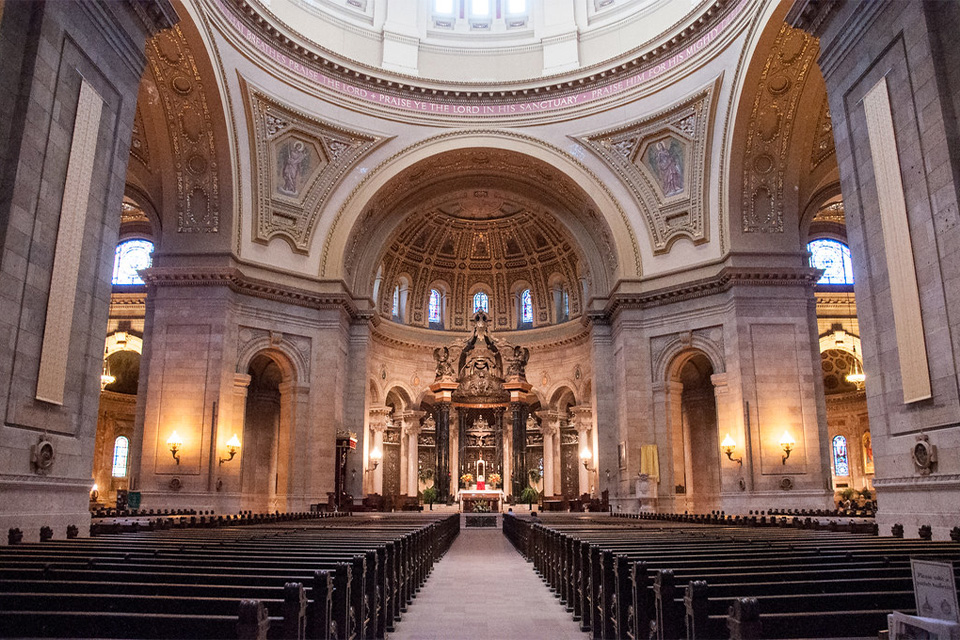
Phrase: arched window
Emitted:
{"points": [[566, 304], [526, 307], [396, 303], [840, 464], [130, 257], [481, 302], [434, 310], [120, 448], [834, 258]]}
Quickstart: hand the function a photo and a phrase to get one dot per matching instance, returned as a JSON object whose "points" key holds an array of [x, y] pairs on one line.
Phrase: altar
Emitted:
{"points": [[471, 499]]}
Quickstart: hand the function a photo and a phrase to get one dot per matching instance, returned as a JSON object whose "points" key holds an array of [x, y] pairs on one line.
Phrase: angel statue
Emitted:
{"points": [[517, 364], [444, 368]]}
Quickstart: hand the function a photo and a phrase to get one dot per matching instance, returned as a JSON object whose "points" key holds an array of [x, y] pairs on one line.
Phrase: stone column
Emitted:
{"points": [[379, 419], [231, 475], [293, 460], [443, 451], [410, 428], [518, 468], [550, 426], [582, 417]]}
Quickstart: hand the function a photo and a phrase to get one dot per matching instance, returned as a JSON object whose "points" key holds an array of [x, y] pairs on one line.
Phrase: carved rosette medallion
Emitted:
{"points": [[297, 161], [662, 159]]}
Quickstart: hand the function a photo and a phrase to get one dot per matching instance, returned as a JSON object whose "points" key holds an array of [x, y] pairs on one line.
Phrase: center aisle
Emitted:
{"points": [[483, 588]]}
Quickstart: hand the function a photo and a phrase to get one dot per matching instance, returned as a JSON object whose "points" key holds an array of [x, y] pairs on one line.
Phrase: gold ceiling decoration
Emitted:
{"points": [[771, 125]]}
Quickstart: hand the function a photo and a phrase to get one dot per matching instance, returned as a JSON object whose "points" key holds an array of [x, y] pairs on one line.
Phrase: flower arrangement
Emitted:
{"points": [[467, 478], [494, 479]]}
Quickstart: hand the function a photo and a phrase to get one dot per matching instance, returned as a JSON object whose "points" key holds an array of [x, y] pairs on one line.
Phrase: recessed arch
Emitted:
{"points": [[599, 223], [291, 362]]}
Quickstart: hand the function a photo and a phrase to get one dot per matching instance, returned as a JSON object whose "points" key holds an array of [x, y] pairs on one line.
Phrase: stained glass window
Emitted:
{"points": [[566, 304], [840, 465], [834, 258], [130, 257], [433, 312], [120, 447], [481, 302], [396, 302], [526, 307]]}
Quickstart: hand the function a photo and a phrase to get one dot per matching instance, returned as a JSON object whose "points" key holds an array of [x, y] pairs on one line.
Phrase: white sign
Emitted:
{"points": [[935, 589]]}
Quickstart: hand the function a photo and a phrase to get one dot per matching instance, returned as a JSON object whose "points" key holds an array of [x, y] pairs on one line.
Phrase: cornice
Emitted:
{"points": [[318, 58], [416, 339], [919, 483], [722, 282], [810, 15], [154, 15], [238, 282]]}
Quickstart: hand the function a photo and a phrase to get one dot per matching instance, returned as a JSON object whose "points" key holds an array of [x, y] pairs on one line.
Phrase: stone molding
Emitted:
{"points": [[154, 15], [920, 483], [237, 282], [725, 280]]}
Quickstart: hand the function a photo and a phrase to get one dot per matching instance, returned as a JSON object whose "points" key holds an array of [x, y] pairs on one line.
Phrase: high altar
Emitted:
{"points": [[480, 498], [482, 409]]}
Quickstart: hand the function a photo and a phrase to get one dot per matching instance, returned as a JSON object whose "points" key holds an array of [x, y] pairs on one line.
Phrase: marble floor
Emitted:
{"points": [[484, 589]]}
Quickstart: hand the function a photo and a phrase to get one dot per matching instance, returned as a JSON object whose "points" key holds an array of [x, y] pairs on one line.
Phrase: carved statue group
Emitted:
{"points": [[481, 360]]}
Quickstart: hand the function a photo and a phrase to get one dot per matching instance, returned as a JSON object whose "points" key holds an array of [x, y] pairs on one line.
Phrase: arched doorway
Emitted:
{"points": [[697, 470], [260, 473]]}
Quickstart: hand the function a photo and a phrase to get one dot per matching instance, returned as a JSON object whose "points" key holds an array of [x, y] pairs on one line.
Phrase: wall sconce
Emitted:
{"points": [[787, 443], [728, 446], [233, 445], [174, 443], [585, 457], [375, 457]]}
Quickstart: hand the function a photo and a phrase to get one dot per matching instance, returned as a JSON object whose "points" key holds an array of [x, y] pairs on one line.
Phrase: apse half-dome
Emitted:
{"points": [[478, 247]]}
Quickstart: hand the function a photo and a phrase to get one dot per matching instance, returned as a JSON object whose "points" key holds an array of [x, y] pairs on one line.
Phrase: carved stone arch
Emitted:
{"points": [[376, 393], [769, 150], [560, 390], [188, 130], [850, 344], [139, 215], [403, 393], [681, 348], [293, 364], [824, 215]]}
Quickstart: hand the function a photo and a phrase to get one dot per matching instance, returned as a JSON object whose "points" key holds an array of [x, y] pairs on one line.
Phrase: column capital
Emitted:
{"points": [[241, 381], [379, 418]]}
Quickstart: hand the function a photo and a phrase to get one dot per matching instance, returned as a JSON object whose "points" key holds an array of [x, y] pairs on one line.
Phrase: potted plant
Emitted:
{"points": [[529, 495], [430, 496]]}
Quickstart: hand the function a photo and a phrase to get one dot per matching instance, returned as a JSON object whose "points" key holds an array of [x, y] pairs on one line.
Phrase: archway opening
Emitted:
{"points": [[699, 475], [260, 474]]}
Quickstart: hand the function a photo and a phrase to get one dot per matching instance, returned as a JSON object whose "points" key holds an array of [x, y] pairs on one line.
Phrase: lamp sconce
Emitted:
{"points": [[375, 457], [787, 443], [585, 457], [728, 446], [233, 446], [174, 443]]}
